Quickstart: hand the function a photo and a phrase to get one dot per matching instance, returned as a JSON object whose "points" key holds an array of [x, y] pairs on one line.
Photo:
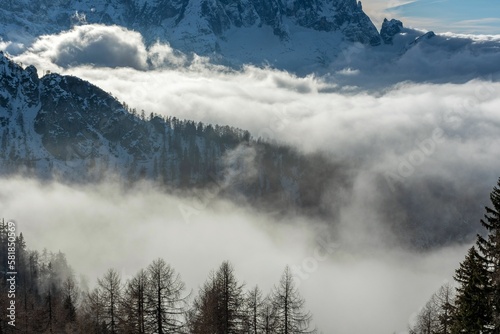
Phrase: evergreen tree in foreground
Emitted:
{"points": [[473, 312], [489, 248], [476, 307]]}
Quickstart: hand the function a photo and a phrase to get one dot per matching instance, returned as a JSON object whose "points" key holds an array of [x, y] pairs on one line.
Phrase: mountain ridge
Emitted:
{"points": [[254, 29]]}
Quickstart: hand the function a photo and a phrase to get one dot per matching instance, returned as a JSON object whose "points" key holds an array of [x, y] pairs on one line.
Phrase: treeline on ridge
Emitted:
{"points": [[265, 173]]}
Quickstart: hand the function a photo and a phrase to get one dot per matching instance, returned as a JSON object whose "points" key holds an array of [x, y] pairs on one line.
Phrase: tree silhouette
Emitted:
{"points": [[111, 288], [165, 303], [473, 313], [288, 305], [489, 248]]}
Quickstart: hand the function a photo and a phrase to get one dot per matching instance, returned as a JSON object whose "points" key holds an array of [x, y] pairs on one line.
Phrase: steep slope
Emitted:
{"points": [[65, 127], [239, 30]]}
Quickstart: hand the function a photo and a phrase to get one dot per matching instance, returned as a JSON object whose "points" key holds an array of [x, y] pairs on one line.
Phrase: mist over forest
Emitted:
{"points": [[365, 175]]}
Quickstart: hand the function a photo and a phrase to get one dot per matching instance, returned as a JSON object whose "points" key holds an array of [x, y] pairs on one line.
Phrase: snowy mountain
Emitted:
{"points": [[64, 127], [243, 30]]}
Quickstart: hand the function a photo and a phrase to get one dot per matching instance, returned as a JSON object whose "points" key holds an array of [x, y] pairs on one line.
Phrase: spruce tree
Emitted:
{"points": [[473, 312], [489, 247]]}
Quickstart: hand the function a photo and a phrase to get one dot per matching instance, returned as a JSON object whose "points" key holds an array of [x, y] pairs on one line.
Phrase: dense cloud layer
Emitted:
{"points": [[442, 58], [98, 45], [104, 226], [438, 139], [423, 157]]}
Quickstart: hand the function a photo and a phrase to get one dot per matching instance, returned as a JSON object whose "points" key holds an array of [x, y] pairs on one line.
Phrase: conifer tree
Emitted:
{"points": [[134, 303], [436, 316], [111, 288], [230, 300], [93, 312], [202, 316], [489, 248], [473, 312], [427, 319], [290, 316], [165, 302], [219, 307], [445, 300], [253, 312], [268, 316]]}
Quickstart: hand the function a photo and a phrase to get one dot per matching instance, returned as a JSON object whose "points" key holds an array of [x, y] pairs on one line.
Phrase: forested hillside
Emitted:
{"points": [[65, 128]]}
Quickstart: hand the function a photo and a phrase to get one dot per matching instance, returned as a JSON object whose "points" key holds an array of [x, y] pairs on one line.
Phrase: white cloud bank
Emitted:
{"points": [[442, 59], [94, 44], [105, 226], [383, 137], [98, 45]]}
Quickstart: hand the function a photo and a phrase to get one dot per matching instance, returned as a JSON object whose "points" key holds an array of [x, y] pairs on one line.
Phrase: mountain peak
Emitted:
{"points": [[390, 29]]}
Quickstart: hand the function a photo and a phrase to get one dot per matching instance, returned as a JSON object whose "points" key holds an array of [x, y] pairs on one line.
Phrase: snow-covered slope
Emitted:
{"points": [[66, 127], [240, 30], [63, 125]]}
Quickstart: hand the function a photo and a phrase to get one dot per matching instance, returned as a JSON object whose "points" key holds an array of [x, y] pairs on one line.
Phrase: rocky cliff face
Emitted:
{"points": [[390, 29], [202, 26], [64, 125]]}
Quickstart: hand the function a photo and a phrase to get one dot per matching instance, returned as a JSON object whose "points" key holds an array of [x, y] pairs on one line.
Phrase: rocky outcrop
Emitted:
{"points": [[390, 29], [190, 25]]}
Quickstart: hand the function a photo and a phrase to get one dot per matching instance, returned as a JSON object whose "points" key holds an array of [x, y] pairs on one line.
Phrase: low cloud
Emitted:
{"points": [[427, 195], [98, 45], [163, 55], [436, 189], [95, 45], [443, 58], [108, 225]]}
